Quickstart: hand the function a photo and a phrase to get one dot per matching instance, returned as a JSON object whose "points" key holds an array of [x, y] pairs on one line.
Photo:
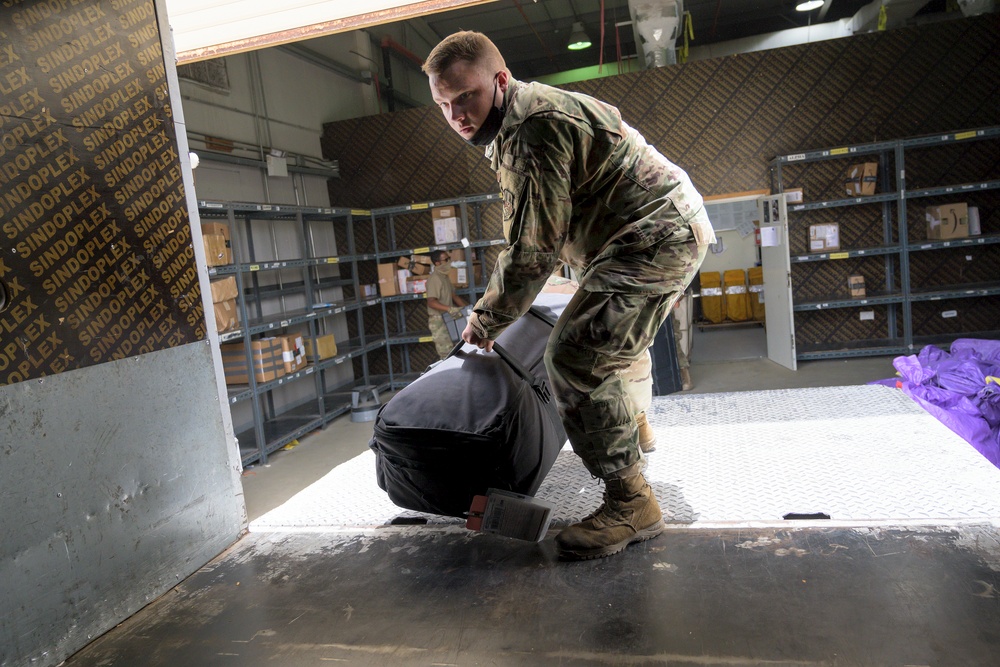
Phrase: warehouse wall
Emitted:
{"points": [[724, 119], [119, 475]]}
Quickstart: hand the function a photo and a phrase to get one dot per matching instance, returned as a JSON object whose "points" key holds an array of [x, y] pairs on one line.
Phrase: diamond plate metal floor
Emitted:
{"points": [[861, 454]]}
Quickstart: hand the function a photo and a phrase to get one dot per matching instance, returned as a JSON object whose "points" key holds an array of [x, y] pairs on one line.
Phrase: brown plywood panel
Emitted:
{"points": [[98, 262]]}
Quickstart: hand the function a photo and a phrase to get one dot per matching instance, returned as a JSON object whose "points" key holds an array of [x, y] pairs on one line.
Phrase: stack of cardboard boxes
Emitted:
{"points": [[224, 294], [271, 358], [266, 361]]}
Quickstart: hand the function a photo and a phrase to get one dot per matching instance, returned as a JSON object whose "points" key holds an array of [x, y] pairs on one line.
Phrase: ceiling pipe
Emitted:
{"points": [[537, 36], [390, 43]]}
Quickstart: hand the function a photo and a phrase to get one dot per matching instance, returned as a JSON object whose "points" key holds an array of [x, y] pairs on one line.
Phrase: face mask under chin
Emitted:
{"points": [[488, 131]]}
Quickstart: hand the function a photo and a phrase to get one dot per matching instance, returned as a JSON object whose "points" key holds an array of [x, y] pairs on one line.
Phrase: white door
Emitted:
{"points": [[775, 261]]}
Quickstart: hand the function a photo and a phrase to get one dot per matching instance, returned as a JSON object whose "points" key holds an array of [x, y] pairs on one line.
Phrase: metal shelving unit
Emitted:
{"points": [[274, 427], [470, 213], [897, 245]]}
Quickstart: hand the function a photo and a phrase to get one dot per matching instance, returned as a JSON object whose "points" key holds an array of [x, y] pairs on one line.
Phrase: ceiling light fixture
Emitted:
{"points": [[808, 5], [578, 38]]}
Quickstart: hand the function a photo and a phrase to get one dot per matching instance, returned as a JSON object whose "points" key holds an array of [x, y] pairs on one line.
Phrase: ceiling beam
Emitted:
{"points": [[248, 26]]}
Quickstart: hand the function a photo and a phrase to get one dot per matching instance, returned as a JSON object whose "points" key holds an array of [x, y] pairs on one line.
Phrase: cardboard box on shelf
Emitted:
{"points": [[421, 265], [401, 276], [218, 245], [446, 230], [224, 293], [824, 238], [267, 363], [444, 212], [459, 275], [293, 352], [416, 284], [794, 195], [227, 315], [387, 283], [861, 179], [224, 289], [457, 255], [856, 284], [948, 221], [216, 252], [403, 263], [369, 290], [326, 347]]}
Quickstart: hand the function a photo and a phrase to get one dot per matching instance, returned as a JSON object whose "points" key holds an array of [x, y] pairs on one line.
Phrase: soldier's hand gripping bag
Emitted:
{"points": [[473, 422]]}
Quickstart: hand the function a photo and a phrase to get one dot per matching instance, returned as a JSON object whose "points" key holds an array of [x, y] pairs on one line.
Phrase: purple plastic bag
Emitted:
{"points": [[955, 388], [987, 350], [960, 415]]}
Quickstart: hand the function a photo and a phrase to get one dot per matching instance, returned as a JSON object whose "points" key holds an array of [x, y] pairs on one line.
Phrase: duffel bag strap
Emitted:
{"points": [[537, 384]]}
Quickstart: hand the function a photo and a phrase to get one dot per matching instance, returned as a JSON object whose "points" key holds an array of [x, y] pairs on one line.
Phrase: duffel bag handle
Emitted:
{"points": [[537, 384]]}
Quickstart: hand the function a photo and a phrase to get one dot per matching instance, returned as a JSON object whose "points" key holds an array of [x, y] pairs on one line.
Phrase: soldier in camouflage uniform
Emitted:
{"points": [[441, 298], [582, 187]]}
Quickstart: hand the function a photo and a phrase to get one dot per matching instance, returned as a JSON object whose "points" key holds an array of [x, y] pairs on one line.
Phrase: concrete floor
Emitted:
{"points": [[417, 595]]}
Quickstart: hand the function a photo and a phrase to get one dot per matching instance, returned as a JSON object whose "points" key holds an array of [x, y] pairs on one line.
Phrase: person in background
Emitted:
{"points": [[441, 298], [579, 186]]}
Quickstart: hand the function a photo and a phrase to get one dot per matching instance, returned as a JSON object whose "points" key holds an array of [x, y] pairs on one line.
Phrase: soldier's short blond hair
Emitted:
{"points": [[473, 47]]}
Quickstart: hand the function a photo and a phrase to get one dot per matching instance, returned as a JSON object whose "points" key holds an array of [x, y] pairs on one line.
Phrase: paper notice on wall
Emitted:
{"points": [[769, 237]]}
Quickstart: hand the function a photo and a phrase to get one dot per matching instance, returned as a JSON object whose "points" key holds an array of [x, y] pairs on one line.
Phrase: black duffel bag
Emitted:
{"points": [[473, 422]]}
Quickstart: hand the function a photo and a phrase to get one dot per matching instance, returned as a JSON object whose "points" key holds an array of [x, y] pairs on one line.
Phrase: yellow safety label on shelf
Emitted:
{"points": [[420, 251], [965, 135], [426, 339], [360, 211], [839, 255], [332, 260], [417, 207], [838, 151], [255, 267]]}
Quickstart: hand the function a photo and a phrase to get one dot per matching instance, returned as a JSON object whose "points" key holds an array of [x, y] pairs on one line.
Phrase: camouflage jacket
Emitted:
{"points": [[579, 186]]}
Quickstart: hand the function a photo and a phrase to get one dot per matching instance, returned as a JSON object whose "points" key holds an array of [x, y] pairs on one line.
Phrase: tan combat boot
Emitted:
{"points": [[629, 514], [686, 383], [647, 439]]}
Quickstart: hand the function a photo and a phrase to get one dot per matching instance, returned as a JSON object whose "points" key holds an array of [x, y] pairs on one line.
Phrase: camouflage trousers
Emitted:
{"points": [[682, 357], [439, 331], [598, 337]]}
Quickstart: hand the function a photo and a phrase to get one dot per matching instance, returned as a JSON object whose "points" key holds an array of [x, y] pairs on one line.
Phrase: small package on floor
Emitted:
{"points": [[511, 515]]}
